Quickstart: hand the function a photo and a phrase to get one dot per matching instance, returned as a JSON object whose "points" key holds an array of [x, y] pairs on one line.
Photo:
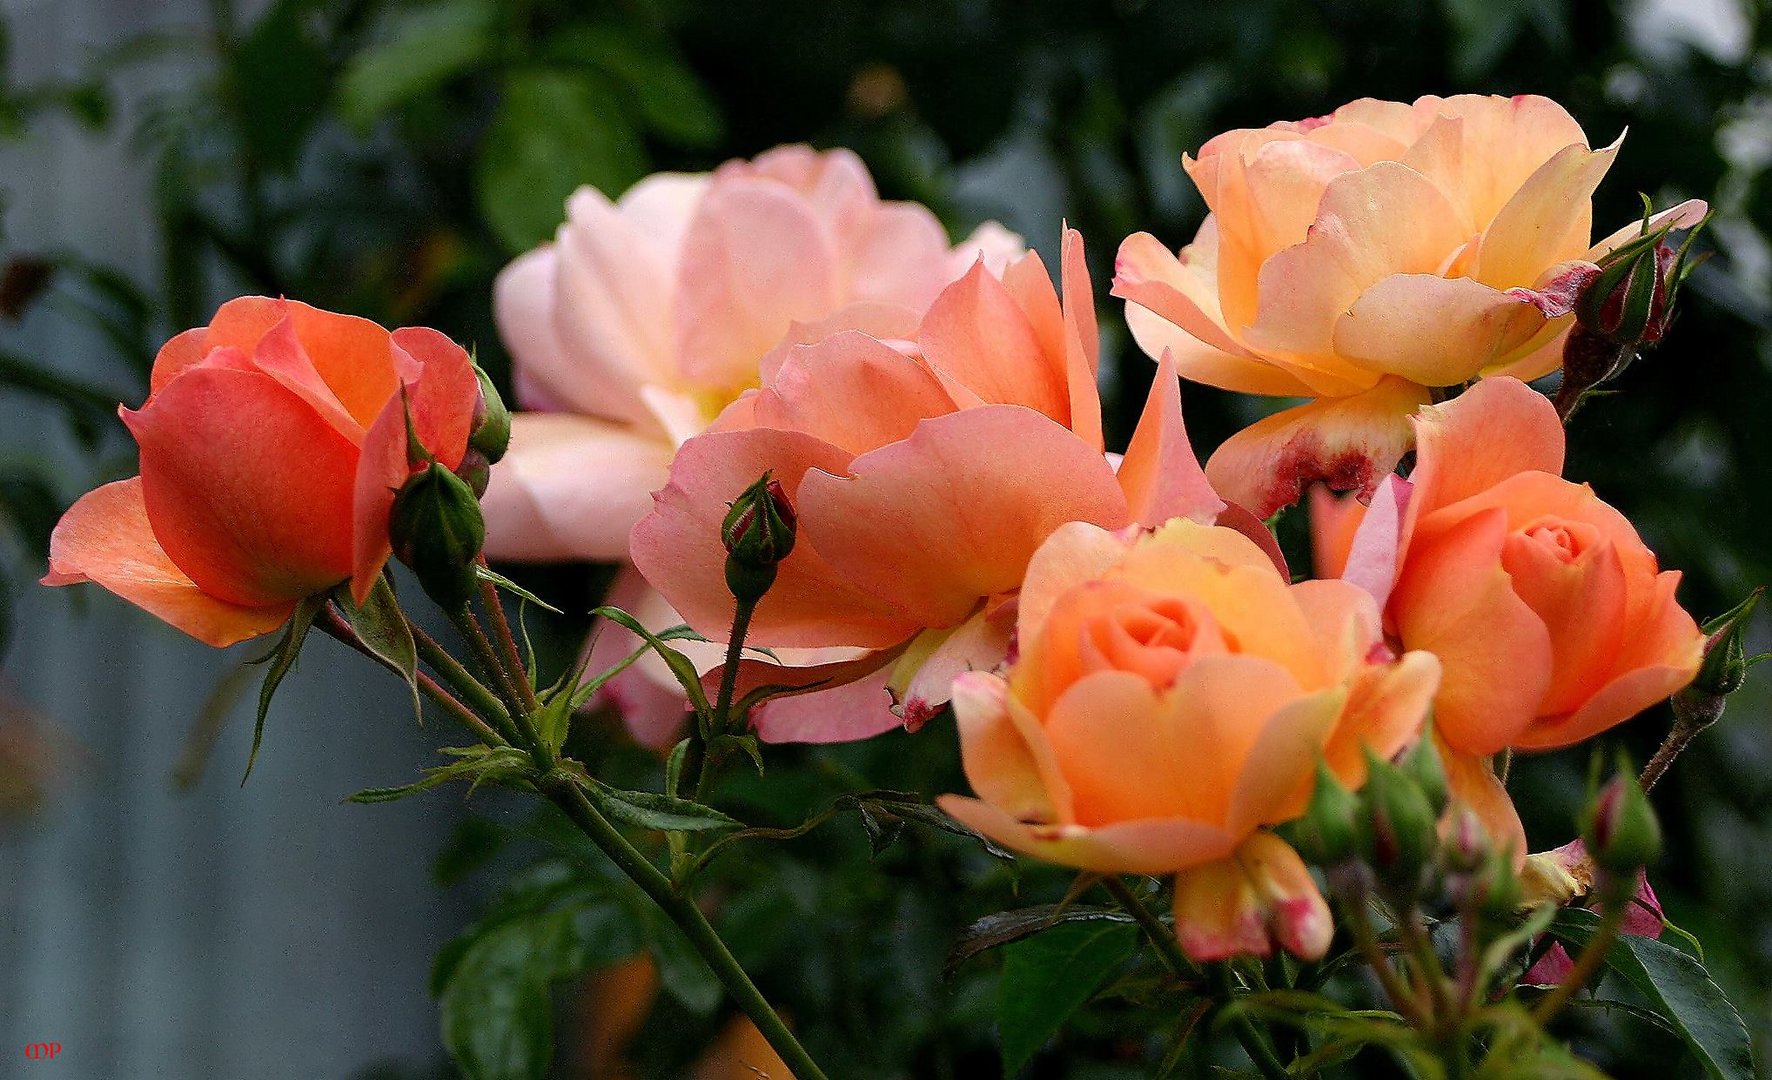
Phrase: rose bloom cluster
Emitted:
{"points": [[1139, 684]]}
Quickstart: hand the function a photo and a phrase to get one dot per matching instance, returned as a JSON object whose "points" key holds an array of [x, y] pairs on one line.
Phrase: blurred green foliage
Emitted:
{"points": [[386, 157]]}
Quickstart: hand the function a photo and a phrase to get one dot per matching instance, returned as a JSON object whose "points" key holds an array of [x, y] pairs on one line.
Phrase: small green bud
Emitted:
{"points": [[1620, 829], [1328, 832], [758, 533], [1399, 830], [1724, 669], [1422, 764], [436, 529], [490, 431]]}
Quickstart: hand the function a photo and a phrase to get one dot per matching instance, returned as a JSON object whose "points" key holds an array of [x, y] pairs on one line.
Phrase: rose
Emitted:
{"points": [[922, 477], [272, 443], [1552, 619], [1363, 257], [1172, 695], [647, 316]]}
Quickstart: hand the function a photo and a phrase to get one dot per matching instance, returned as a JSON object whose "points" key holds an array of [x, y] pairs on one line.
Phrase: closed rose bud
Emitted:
{"points": [[1398, 831], [1620, 828], [758, 533], [1723, 670], [1422, 765], [492, 421], [1328, 834], [437, 530]]}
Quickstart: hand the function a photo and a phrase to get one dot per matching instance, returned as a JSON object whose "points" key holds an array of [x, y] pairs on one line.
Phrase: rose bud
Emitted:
{"points": [[1724, 668], [437, 530], [1620, 829], [492, 422], [1398, 832], [475, 471], [1327, 833], [758, 533], [272, 443]]}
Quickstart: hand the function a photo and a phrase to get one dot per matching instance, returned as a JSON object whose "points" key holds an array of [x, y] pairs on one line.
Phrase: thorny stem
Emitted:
{"points": [[507, 643], [333, 625], [695, 926], [1260, 1051], [475, 635], [459, 677], [1678, 738], [1592, 956]]}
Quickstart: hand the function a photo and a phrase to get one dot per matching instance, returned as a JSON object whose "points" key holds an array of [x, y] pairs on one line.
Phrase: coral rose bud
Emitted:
{"points": [[437, 530], [492, 420], [272, 443], [1620, 828]]}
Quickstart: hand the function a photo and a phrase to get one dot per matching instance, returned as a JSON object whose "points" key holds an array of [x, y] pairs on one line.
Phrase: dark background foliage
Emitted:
{"points": [[386, 157]]}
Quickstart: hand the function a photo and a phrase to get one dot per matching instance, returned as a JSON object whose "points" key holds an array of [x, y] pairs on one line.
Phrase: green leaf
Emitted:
{"points": [[554, 131], [425, 48], [381, 626], [1007, 927], [281, 659], [486, 573], [680, 665], [649, 810], [1679, 988], [497, 1016], [671, 101], [1048, 977], [478, 764], [554, 719]]}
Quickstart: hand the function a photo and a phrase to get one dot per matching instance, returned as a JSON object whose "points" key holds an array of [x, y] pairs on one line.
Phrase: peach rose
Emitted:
{"points": [[1171, 696], [272, 443], [1362, 258], [1551, 618], [924, 475], [647, 316]]}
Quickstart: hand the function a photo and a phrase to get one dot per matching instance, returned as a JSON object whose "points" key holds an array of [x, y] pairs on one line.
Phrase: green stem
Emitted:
{"points": [[705, 765], [1354, 913], [459, 677], [1255, 1044], [1614, 902], [507, 643], [334, 625], [695, 926], [475, 635]]}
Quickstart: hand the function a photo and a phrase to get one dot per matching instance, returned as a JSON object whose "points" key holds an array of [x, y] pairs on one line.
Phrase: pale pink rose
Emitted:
{"points": [[647, 316], [924, 474], [1363, 258]]}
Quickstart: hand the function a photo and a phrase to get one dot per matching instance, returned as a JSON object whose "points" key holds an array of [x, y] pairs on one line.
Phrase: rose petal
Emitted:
{"points": [[1160, 475], [571, 487], [105, 538]]}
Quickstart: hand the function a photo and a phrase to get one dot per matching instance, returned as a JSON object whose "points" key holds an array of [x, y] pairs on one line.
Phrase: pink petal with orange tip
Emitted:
{"points": [[1372, 555], [1218, 914], [249, 490], [105, 538], [977, 336], [1150, 846], [1455, 601], [756, 260], [954, 512], [1495, 429], [1160, 475], [571, 487], [851, 391], [1433, 330], [1348, 444], [677, 546], [1082, 342]]}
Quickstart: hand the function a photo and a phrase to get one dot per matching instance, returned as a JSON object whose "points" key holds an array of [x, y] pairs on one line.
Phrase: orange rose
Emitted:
{"points": [[1363, 257], [1171, 696], [1551, 618], [272, 443]]}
